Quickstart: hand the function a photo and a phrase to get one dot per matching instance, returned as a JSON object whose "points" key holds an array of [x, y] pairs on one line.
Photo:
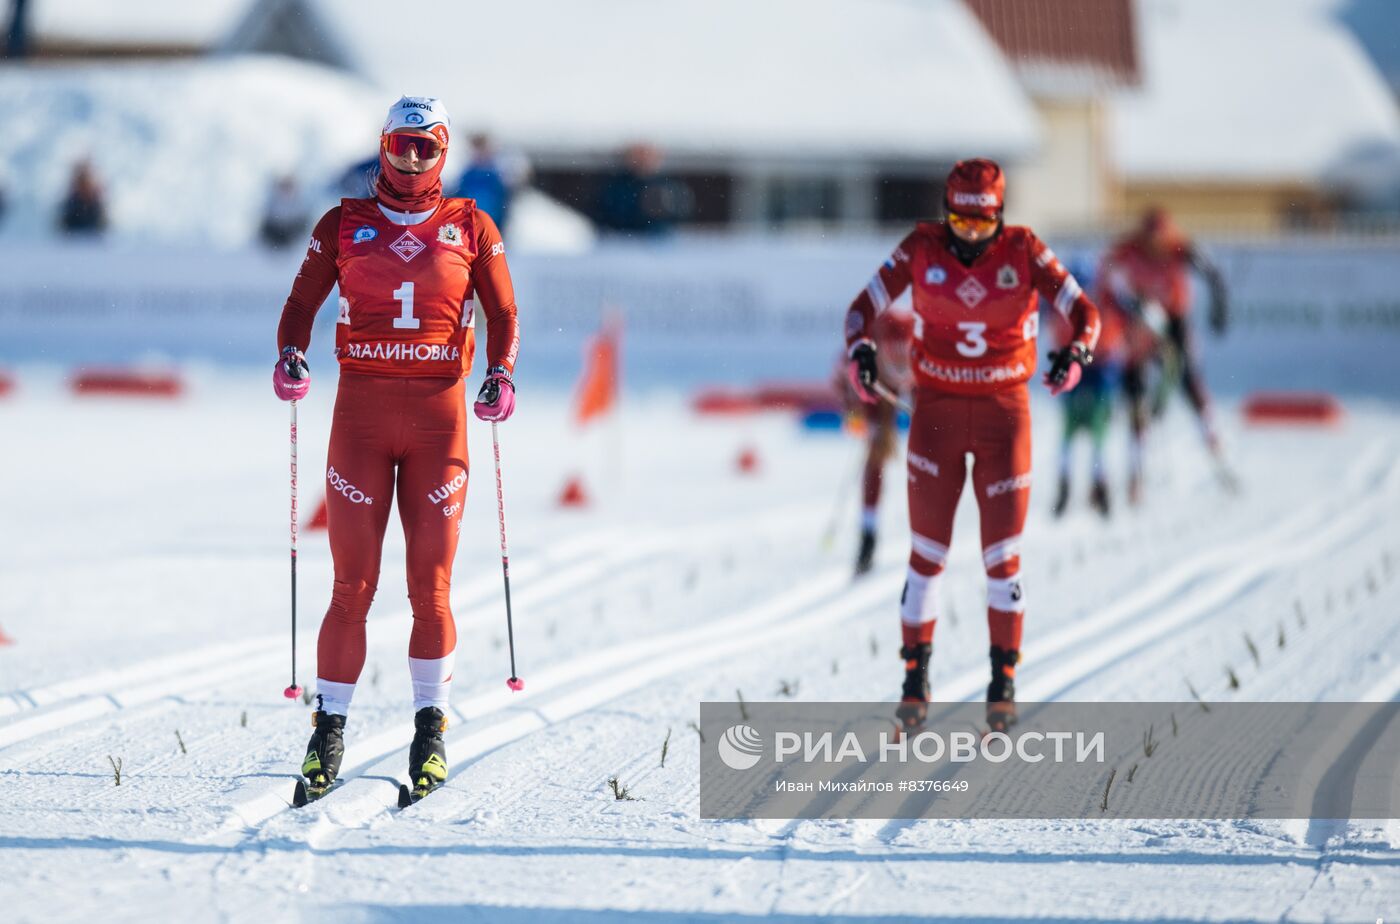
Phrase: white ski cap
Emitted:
{"points": [[417, 113]]}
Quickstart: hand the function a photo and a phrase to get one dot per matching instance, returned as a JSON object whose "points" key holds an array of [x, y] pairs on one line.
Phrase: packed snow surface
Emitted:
{"points": [[144, 567]]}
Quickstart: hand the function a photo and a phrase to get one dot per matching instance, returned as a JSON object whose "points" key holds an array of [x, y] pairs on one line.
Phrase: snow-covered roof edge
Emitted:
{"points": [[900, 80]]}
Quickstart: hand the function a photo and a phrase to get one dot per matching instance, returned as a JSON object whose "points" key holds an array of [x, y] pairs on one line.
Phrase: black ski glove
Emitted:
{"points": [[863, 369], [1062, 359]]}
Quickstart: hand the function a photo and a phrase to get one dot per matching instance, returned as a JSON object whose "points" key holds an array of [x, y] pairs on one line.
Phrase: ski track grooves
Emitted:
{"points": [[1210, 578], [126, 688], [561, 569], [554, 572], [1192, 590], [496, 718], [1189, 591]]}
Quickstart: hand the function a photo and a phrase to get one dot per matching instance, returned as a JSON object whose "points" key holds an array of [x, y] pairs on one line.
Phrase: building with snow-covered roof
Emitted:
{"points": [[1070, 57], [815, 110], [148, 28], [1250, 114], [183, 147]]}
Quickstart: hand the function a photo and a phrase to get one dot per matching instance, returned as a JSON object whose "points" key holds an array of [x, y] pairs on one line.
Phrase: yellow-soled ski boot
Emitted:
{"points": [[324, 752], [427, 756]]}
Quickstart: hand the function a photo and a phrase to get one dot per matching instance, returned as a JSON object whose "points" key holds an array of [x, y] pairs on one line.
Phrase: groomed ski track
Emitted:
{"points": [[628, 619]]}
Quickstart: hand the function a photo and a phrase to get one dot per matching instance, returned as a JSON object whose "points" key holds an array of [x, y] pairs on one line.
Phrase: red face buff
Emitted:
{"points": [[411, 192]]}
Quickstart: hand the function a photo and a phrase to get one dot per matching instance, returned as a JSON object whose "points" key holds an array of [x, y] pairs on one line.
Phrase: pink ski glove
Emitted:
{"points": [[861, 371], [496, 400], [291, 378], [1067, 368]]}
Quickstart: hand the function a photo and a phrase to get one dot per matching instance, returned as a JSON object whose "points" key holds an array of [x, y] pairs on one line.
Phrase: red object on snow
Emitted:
{"points": [[318, 519], [800, 396], [747, 463], [515, 683], [573, 494], [7, 384], [1295, 408], [127, 383], [771, 396], [723, 401], [5, 639]]}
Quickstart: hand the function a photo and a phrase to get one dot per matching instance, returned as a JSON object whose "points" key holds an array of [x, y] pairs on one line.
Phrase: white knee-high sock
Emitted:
{"points": [[432, 680], [919, 604], [333, 697]]}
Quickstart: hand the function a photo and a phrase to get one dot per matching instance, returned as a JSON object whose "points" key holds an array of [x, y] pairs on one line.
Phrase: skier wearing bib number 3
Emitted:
{"points": [[975, 286], [408, 263]]}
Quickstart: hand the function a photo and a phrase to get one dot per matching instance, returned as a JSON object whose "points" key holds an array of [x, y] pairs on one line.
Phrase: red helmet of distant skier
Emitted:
{"points": [[1159, 234], [976, 187]]}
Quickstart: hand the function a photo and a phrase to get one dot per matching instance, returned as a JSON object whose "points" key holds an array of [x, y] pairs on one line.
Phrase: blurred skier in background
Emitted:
{"points": [[284, 214], [408, 262], [84, 208], [975, 286], [1146, 278], [880, 421], [640, 199], [357, 181], [485, 181], [1089, 408]]}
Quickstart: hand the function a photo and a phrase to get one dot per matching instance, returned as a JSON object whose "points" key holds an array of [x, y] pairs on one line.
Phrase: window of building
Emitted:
{"points": [[903, 199]]}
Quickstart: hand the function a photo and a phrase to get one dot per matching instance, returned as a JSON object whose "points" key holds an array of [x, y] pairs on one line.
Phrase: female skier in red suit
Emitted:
{"points": [[976, 286], [408, 263]]}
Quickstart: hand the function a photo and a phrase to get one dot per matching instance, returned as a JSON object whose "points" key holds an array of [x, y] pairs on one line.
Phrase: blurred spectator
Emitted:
{"points": [[17, 36], [485, 181], [357, 182], [639, 198], [84, 210], [285, 216]]}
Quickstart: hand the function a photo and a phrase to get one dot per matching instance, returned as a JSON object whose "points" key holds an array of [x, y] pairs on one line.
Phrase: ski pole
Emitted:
{"points": [[883, 391], [842, 495], [293, 691], [514, 682]]}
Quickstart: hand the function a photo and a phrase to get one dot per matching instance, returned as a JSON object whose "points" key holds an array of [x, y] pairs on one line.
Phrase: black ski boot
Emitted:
{"points": [[324, 751], [913, 704], [427, 756], [1001, 692], [865, 558], [1098, 498], [1061, 498]]}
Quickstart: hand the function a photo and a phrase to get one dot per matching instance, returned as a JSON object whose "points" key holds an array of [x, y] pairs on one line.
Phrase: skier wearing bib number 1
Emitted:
{"points": [[976, 285], [408, 263]]}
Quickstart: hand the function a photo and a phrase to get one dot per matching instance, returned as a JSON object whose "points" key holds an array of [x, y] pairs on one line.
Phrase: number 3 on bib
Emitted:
{"points": [[406, 320], [973, 342]]}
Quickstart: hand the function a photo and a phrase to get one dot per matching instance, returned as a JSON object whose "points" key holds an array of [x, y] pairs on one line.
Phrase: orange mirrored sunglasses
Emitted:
{"points": [[399, 144], [972, 224]]}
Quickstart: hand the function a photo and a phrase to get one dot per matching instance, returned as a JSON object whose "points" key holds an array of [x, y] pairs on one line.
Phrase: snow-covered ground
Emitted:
{"points": [[144, 572]]}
